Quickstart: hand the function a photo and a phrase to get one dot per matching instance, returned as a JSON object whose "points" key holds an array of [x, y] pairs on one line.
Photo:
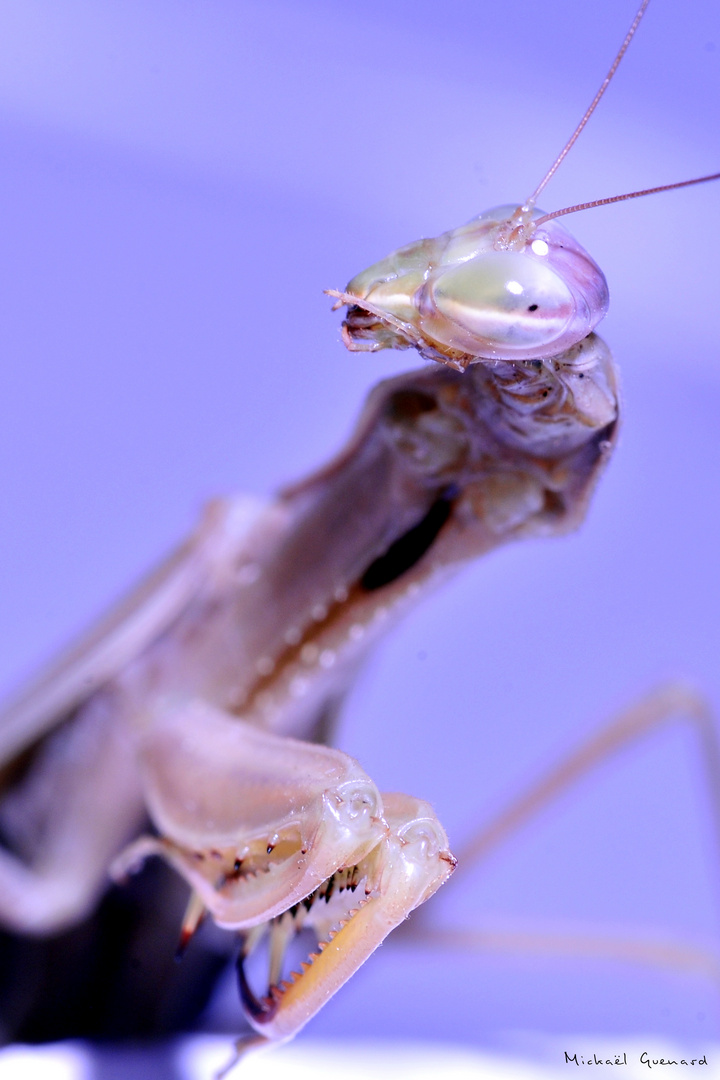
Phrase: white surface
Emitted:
{"points": [[201, 1058]]}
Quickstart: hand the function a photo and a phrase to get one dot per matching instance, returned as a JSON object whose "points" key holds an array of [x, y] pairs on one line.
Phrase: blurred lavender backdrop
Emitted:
{"points": [[179, 181]]}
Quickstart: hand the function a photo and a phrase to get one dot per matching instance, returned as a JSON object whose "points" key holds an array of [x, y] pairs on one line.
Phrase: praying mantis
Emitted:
{"points": [[515, 574]]}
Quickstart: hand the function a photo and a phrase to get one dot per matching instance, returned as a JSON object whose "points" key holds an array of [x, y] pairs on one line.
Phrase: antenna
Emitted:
{"points": [[588, 113], [621, 198]]}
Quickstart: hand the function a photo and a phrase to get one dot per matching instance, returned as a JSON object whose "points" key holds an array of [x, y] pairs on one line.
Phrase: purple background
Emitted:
{"points": [[179, 181]]}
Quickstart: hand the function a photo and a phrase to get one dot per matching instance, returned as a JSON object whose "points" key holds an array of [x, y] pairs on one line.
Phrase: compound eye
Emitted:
{"points": [[504, 299]]}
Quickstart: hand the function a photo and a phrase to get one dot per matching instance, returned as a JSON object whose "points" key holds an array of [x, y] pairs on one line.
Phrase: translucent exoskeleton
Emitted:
{"points": [[450, 497], [499, 288]]}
